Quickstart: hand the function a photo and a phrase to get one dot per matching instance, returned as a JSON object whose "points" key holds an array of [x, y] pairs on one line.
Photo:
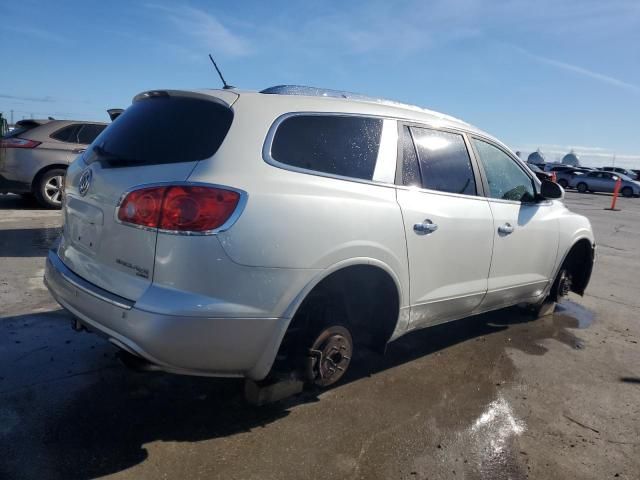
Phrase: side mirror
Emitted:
{"points": [[551, 190]]}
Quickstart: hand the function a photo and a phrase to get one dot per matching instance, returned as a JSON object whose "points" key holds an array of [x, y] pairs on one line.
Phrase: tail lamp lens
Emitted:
{"points": [[179, 208], [18, 143]]}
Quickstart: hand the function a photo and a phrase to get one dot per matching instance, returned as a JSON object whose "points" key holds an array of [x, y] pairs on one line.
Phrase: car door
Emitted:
{"points": [[525, 231], [608, 182], [448, 225]]}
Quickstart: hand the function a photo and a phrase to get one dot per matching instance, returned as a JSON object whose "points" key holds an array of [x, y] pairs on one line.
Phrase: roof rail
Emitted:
{"points": [[327, 92], [315, 92]]}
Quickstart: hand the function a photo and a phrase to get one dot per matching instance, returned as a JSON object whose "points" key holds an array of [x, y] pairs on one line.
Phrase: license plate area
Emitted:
{"points": [[83, 225], [83, 234]]}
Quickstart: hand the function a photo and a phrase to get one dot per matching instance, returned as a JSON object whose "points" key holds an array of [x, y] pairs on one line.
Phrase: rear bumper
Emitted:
{"points": [[231, 347]]}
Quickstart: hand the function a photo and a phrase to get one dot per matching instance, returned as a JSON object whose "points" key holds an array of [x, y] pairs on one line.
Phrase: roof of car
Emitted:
{"points": [[345, 101]]}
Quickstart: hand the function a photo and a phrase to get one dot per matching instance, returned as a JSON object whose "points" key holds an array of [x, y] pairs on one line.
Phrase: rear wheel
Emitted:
{"points": [[582, 187], [563, 183], [48, 188], [329, 356], [319, 343], [627, 192]]}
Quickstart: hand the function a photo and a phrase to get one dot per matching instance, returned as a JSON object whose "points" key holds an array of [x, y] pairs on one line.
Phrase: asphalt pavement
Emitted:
{"points": [[494, 396]]}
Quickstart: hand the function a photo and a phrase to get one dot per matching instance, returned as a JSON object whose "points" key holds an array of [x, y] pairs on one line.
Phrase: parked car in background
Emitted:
{"points": [[285, 230], [565, 175], [601, 181], [555, 166], [35, 155], [629, 173], [538, 172]]}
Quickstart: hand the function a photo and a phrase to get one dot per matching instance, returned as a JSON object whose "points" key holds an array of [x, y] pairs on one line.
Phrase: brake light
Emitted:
{"points": [[18, 143], [179, 208]]}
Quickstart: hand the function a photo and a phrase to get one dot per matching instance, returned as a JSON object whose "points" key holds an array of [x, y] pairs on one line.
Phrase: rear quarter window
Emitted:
{"points": [[68, 134], [346, 146], [89, 132]]}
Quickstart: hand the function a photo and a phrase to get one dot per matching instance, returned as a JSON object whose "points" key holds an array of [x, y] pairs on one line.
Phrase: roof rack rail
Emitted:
{"points": [[316, 92], [327, 92]]}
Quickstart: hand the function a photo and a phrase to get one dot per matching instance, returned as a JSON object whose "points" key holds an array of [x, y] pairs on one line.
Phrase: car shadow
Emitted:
{"points": [[19, 202], [27, 242], [102, 426]]}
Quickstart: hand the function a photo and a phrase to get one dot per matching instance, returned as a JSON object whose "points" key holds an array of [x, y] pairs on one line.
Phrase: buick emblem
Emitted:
{"points": [[85, 182]]}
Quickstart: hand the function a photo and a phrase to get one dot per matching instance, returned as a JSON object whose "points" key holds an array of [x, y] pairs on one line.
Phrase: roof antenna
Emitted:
{"points": [[226, 86]]}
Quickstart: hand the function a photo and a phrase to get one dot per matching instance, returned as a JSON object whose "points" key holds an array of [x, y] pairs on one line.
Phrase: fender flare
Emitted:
{"points": [[297, 301]]}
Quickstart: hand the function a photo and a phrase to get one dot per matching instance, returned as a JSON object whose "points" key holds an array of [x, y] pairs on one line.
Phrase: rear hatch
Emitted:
{"points": [[159, 139]]}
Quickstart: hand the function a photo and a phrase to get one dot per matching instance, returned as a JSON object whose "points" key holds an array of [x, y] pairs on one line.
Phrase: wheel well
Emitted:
{"points": [[366, 294], [579, 263], [42, 171]]}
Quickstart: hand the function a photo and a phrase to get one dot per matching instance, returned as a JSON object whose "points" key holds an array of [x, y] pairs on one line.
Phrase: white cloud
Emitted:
{"points": [[208, 33], [581, 71]]}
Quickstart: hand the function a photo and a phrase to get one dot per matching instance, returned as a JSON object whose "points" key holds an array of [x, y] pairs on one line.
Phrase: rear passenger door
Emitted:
{"points": [[525, 230], [448, 225]]}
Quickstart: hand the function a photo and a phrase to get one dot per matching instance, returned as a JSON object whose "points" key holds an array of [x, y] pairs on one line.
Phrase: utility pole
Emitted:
{"points": [[614, 159], [11, 117]]}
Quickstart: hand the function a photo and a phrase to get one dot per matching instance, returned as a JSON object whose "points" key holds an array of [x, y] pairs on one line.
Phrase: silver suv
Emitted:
{"points": [[230, 233]]}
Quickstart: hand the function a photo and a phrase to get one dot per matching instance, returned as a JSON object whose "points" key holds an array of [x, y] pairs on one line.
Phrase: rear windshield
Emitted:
{"points": [[20, 129], [161, 130]]}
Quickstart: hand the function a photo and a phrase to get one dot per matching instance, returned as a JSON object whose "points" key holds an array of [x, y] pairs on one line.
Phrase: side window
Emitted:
{"points": [[67, 134], [506, 179], [410, 169], [339, 145], [89, 132], [444, 161]]}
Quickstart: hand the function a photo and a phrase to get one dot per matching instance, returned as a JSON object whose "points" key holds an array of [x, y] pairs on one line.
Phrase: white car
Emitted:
{"points": [[231, 233]]}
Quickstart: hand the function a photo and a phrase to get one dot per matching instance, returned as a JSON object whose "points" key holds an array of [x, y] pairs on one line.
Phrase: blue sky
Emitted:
{"points": [[554, 74]]}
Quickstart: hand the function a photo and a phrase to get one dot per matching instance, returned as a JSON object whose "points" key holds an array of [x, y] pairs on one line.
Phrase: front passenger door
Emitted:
{"points": [[525, 231]]}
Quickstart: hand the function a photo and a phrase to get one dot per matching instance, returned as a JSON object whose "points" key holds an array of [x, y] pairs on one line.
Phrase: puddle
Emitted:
{"points": [[572, 312]]}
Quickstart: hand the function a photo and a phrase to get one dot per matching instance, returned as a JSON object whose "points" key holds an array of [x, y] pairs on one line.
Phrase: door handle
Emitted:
{"points": [[425, 227], [506, 229], [79, 150]]}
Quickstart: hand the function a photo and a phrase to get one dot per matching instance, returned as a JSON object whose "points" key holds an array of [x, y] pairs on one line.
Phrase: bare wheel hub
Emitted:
{"points": [[329, 356], [564, 285]]}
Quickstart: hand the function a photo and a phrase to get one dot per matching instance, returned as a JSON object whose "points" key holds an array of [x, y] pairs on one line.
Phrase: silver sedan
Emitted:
{"points": [[600, 181]]}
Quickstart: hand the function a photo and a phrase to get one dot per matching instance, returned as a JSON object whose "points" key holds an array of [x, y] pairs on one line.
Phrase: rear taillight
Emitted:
{"points": [[179, 208], [18, 143]]}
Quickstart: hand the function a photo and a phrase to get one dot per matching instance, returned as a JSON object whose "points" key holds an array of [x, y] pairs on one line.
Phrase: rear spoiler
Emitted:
{"points": [[114, 113], [31, 123]]}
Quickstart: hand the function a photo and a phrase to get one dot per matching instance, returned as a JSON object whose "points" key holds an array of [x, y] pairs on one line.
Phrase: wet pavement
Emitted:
{"points": [[499, 395]]}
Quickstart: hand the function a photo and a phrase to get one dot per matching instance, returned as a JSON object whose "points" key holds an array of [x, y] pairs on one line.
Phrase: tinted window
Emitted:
{"points": [[506, 179], [346, 146], [444, 161], [163, 129], [410, 169], [67, 134], [89, 132], [22, 127]]}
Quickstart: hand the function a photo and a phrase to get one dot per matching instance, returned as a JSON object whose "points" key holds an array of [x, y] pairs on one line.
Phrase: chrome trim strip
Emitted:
{"points": [[89, 288], [222, 228]]}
